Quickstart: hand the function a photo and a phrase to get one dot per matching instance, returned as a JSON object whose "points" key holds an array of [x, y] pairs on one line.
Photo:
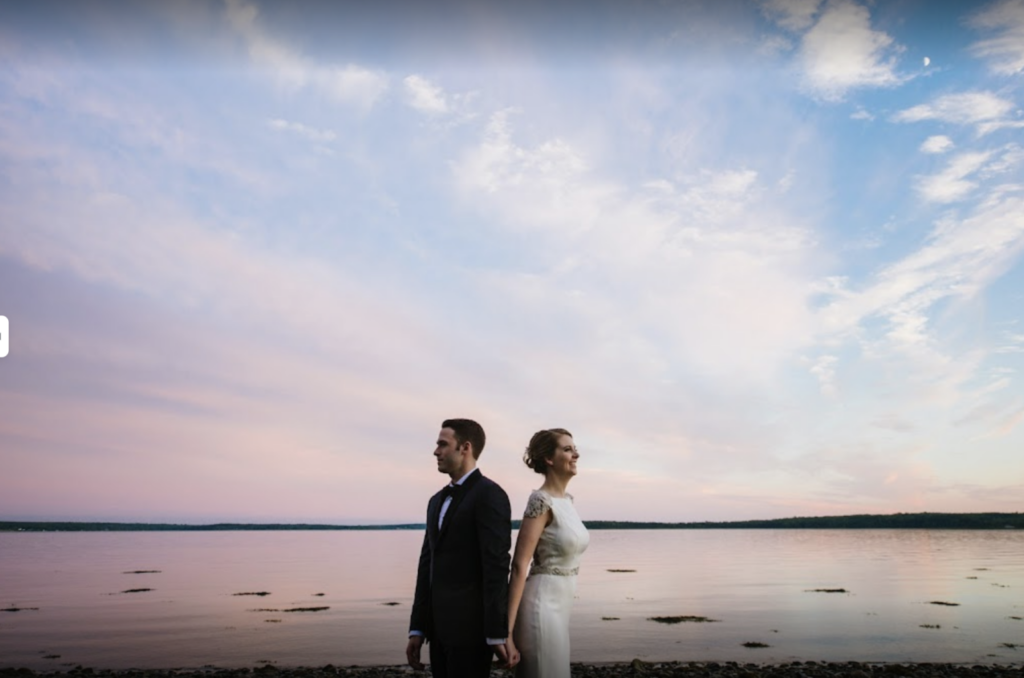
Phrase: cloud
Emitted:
{"points": [[851, 473], [1012, 343], [982, 413], [930, 377], [773, 45], [220, 461], [169, 131], [1012, 156], [349, 83], [842, 52], [499, 164], [937, 144], [960, 258], [353, 84], [424, 95], [1009, 423], [795, 15], [702, 272], [952, 184], [146, 241], [286, 65], [861, 114], [984, 109], [310, 133], [891, 421], [1004, 51], [955, 183], [986, 127], [824, 368]]}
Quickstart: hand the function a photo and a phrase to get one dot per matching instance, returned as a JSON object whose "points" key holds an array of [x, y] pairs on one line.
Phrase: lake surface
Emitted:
{"points": [[758, 584]]}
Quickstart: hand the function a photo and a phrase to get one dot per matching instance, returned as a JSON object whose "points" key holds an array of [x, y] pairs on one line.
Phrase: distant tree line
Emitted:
{"points": [[928, 521], [69, 526]]}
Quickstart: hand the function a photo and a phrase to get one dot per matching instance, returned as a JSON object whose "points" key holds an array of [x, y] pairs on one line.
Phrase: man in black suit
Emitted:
{"points": [[461, 601]]}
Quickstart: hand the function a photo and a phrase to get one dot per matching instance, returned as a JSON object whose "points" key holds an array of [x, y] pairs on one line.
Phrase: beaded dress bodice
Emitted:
{"points": [[563, 541]]}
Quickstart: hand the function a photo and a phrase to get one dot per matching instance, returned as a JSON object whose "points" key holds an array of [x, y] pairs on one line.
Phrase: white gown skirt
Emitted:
{"points": [[542, 626]]}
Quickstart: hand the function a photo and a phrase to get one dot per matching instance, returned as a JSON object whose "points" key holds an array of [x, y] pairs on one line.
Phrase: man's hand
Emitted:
{"points": [[412, 652], [502, 652], [511, 655]]}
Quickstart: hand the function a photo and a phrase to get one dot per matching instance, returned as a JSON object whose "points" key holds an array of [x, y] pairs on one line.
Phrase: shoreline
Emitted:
{"points": [[636, 667], [917, 521]]}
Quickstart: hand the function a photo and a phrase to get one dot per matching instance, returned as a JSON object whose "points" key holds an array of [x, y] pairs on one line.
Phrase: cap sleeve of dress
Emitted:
{"points": [[537, 505]]}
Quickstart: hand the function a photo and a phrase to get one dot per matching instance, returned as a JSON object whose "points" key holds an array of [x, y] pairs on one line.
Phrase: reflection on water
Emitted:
{"points": [[760, 586]]}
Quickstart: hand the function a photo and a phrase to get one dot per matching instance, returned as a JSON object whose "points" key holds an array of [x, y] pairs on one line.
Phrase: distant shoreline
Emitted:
{"points": [[932, 521]]}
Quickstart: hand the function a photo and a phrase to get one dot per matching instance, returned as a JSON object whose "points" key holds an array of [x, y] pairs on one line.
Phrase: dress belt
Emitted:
{"points": [[551, 569]]}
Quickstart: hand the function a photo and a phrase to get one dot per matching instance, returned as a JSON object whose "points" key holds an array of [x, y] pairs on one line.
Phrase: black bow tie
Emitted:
{"points": [[449, 490]]}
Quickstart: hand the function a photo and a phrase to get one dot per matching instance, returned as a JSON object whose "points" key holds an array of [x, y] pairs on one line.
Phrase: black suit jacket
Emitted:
{"points": [[462, 580]]}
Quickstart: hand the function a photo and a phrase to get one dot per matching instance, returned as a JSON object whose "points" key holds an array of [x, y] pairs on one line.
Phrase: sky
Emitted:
{"points": [[763, 258]]}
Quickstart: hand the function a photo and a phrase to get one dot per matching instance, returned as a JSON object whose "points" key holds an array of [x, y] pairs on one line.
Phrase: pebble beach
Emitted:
{"points": [[636, 667]]}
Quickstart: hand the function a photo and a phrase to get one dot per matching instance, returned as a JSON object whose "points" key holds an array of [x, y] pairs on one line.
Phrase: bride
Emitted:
{"points": [[553, 537]]}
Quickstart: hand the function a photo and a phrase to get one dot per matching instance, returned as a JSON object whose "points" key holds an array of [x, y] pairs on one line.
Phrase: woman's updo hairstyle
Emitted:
{"points": [[542, 447]]}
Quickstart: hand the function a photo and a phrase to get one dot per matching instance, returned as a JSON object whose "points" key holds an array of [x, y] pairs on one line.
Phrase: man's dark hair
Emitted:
{"points": [[467, 429]]}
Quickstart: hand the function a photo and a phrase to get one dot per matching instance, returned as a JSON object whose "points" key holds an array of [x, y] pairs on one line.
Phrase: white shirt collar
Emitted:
{"points": [[463, 478]]}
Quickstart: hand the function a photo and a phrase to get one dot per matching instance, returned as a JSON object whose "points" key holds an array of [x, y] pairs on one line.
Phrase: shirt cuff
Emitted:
{"points": [[497, 641], [415, 633]]}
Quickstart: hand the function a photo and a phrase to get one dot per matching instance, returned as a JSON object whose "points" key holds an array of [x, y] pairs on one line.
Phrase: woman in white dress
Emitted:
{"points": [[552, 535]]}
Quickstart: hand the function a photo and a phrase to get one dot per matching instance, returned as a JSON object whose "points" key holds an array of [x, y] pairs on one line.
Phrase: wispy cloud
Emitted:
{"points": [[1010, 422], [952, 183], [937, 144], [424, 95], [960, 258], [824, 368], [965, 172], [795, 15], [984, 109], [891, 421], [1005, 50], [984, 412], [348, 83], [311, 133], [1011, 343]]}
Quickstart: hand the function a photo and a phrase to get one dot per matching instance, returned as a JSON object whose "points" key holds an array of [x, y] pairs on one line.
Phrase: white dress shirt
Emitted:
{"points": [[448, 499]]}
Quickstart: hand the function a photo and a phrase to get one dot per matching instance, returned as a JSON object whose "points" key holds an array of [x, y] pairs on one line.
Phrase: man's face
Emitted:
{"points": [[449, 454]]}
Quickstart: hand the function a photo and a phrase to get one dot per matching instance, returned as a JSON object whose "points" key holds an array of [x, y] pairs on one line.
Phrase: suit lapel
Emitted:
{"points": [[432, 515], [457, 500]]}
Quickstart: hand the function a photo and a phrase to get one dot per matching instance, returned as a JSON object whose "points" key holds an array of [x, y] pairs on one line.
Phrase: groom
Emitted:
{"points": [[461, 601]]}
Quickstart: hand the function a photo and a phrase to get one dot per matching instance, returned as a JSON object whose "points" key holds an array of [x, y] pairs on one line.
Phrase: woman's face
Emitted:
{"points": [[563, 462]]}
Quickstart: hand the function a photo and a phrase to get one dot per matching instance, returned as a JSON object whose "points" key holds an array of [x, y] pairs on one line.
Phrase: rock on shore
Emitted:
{"points": [[635, 668]]}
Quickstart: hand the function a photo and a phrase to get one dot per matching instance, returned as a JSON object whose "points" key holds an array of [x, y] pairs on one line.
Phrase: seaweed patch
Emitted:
{"points": [[681, 618]]}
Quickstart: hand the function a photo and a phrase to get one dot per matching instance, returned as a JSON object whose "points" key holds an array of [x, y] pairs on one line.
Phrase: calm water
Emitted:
{"points": [[756, 583]]}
